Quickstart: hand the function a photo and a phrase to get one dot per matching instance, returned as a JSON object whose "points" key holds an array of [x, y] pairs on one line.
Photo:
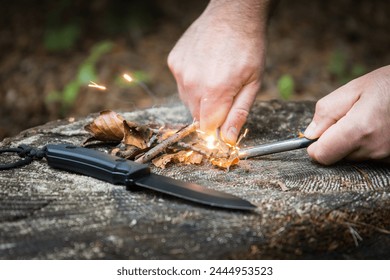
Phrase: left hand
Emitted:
{"points": [[353, 122]]}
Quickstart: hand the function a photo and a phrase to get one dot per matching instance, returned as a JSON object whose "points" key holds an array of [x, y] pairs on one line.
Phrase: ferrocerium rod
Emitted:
{"points": [[275, 147]]}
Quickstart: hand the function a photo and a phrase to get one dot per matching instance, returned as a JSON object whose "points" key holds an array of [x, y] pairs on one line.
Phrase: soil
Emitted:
{"points": [[319, 43]]}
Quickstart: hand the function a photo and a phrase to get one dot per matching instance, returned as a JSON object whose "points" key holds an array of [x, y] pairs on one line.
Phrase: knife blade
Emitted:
{"points": [[120, 171]]}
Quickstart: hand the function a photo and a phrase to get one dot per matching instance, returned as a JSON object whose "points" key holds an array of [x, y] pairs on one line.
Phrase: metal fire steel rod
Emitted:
{"points": [[275, 147]]}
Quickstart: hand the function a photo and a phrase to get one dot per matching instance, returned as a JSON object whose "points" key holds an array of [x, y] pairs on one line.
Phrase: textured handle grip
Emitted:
{"points": [[95, 164]]}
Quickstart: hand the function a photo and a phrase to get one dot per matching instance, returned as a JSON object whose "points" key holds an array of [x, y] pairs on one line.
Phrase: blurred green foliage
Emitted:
{"points": [[342, 69], [286, 86], [86, 73], [67, 21], [60, 34], [132, 18], [61, 38]]}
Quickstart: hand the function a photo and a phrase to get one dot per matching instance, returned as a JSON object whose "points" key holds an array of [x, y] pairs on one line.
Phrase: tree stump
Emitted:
{"points": [[305, 210]]}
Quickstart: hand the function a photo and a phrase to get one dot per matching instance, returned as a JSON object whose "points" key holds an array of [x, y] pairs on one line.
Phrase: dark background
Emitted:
{"points": [[50, 49]]}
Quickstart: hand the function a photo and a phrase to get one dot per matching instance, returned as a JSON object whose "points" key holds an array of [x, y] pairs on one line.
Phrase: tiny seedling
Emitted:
{"points": [[286, 86]]}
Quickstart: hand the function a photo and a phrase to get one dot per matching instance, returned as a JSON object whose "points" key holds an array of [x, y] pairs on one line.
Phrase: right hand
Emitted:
{"points": [[353, 122], [218, 65]]}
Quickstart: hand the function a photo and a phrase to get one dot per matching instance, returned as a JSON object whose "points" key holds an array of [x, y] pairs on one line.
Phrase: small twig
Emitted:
{"points": [[152, 139], [180, 134], [193, 148]]}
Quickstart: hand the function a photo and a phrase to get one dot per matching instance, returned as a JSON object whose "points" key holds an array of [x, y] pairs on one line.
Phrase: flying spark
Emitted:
{"points": [[95, 85], [128, 77]]}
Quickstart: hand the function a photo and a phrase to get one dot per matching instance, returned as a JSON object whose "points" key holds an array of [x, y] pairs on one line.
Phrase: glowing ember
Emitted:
{"points": [[189, 153], [128, 77], [95, 85], [210, 140]]}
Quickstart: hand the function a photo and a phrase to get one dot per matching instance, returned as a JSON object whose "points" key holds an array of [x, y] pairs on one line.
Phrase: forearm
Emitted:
{"points": [[242, 15]]}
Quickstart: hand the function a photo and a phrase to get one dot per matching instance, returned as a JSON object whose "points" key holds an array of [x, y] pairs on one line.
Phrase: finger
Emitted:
{"points": [[239, 112], [187, 93], [332, 108], [214, 108], [338, 141]]}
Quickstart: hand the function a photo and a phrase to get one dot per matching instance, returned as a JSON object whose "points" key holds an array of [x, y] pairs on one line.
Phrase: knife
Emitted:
{"points": [[120, 171], [276, 147]]}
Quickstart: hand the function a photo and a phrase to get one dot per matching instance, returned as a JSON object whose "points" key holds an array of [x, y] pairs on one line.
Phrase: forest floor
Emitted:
{"points": [[319, 45]]}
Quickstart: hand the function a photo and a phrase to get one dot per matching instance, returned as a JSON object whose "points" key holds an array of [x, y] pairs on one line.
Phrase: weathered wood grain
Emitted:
{"points": [[305, 211]]}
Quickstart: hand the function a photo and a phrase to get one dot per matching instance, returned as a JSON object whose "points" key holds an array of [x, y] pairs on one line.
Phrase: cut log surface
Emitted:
{"points": [[305, 210]]}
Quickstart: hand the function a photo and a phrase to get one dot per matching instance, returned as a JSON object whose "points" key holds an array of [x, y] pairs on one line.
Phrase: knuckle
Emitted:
{"points": [[171, 61], [322, 108], [366, 128], [241, 114], [215, 86]]}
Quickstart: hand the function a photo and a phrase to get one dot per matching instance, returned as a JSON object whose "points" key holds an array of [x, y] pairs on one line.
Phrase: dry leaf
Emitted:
{"points": [[225, 163], [186, 157], [194, 158], [163, 160], [107, 127], [128, 152], [136, 135]]}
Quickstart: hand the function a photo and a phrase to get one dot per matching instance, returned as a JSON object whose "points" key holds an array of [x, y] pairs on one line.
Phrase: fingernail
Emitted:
{"points": [[231, 135], [310, 130]]}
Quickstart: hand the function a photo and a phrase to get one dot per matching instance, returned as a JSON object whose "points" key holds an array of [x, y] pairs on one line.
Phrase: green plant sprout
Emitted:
{"points": [[86, 73], [286, 86]]}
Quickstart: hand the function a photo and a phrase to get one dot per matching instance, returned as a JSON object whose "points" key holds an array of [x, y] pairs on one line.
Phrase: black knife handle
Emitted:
{"points": [[94, 163]]}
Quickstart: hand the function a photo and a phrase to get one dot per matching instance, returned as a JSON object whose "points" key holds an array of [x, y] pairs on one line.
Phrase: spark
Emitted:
{"points": [[210, 140], [189, 153], [95, 85], [127, 77], [242, 136], [152, 95]]}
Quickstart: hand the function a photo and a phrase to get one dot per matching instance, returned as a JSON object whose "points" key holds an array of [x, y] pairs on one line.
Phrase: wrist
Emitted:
{"points": [[242, 15]]}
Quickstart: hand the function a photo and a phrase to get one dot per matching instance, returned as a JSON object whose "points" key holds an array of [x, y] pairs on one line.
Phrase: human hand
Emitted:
{"points": [[353, 122], [218, 64]]}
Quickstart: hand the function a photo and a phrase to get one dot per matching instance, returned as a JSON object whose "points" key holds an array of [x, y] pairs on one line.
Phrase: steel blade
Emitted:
{"points": [[193, 192]]}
